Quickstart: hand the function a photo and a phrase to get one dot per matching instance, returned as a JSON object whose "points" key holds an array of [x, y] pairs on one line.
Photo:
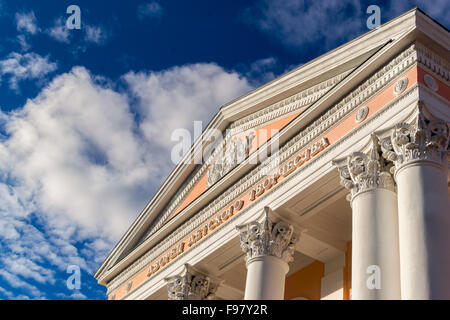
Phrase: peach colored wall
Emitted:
{"points": [[348, 272], [202, 185], [306, 282], [443, 89], [199, 188], [333, 135]]}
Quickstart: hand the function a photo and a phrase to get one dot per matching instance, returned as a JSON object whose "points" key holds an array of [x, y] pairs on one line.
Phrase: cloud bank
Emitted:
{"points": [[79, 161]]}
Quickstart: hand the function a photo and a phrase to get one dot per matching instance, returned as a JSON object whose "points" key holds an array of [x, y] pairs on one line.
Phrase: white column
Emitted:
{"points": [[375, 248], [265, 278], [269, 247], [419, 152]]}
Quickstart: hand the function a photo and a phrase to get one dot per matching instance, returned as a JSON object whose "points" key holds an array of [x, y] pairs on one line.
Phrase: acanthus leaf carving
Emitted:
{"points": [[362, 172], [191, 285], [268, 239], [427, 138]]}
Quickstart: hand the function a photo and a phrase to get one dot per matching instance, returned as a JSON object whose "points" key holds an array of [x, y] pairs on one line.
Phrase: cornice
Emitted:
{"points": [[343, 58], [373, 85], [399, 104], [433, 62], [285, 106], [411, 92], [270, 113]]}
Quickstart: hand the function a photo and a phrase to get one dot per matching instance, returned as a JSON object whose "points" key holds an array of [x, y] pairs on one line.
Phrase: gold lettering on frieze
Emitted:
{"points": [[289, 167], [195, 237], [225, 215]]}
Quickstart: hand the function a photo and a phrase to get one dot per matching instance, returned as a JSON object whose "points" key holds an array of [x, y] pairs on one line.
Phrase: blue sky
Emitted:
{"points": [[86, 115]]}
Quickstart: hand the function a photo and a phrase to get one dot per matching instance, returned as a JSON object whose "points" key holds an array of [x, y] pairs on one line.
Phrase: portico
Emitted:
{"points": [[347, 199]]}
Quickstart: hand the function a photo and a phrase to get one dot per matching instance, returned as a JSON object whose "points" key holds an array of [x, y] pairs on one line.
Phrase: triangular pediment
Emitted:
{"points": [[248, 123], [241, 139]]}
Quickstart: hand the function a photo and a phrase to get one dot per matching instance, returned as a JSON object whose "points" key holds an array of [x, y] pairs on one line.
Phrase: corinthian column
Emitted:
{"points": [[191, 284], [419, 151], [269, 247], [375, 250]]}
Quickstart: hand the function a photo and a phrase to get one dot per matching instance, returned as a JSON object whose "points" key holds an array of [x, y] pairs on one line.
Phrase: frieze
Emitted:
{"points": [[369, 87], [372, 85], [433, 62], [279, 109]]}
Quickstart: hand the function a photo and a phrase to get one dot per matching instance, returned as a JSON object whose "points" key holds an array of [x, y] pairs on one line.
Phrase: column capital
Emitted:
{"points": [[425, 139], [268, 239], [191, 284], [360, 172]]}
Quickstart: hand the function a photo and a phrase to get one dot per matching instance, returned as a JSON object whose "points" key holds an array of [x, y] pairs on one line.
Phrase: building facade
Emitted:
{"points": [[331, 182]]}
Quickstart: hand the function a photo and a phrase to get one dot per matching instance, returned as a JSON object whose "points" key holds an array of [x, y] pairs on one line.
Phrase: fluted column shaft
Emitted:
{"points": [[375, 249], [265, 278], [419, 152]]}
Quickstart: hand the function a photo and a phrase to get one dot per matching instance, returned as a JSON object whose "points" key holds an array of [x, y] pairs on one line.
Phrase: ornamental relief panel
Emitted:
{"points": [[235, 151]]}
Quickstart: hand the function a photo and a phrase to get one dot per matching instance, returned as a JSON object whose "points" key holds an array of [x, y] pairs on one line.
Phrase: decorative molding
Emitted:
{"points": [[191, 285], [268, 239], [400, 86], [430, 82], [235, 152], [433, 62], [334, 115], [421, 54], [286, 106], [277, 110], [427, 138], [363, 172], [373, 85], [194, 222], [362, 114]]}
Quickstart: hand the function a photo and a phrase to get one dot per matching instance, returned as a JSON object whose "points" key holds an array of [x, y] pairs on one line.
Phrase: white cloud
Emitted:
{"points": [[75, 143], [300, 22], [150, 10], [176, 97], [26, 22], [262, 71], [437, 9], [326, 24], [22, 40], [16, 282], [74, 296], [95, 34], [59, 32], [29, 269], [76, 159], [26, 66]]}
